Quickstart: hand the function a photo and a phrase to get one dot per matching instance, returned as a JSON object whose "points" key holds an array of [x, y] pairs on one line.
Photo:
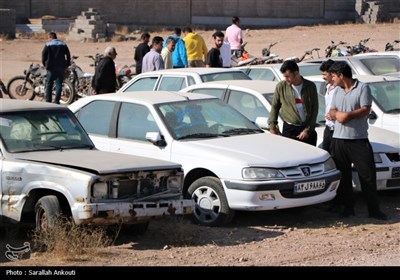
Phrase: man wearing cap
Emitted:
{"points": [[105, 78]]}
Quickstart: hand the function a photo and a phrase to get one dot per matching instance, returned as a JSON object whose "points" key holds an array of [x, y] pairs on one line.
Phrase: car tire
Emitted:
{"points": [[47, 211], [211, 208]]}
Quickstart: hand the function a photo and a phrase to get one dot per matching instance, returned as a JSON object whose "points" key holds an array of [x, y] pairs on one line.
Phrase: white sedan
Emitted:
{"points": [[252, 99], [177, 79], [229, 163]]}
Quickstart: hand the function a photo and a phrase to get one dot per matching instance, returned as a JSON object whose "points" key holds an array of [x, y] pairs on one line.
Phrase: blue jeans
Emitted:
{"points": [[56, 75]]}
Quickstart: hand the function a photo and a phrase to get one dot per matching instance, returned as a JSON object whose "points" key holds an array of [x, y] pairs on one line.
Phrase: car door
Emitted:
{"points": [[97, 119], [265, 74], [247, 104], [134, 121], [172, 83], [142, 84]]}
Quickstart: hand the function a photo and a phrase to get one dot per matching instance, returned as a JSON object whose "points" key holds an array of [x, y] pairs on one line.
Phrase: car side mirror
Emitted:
{"points": [[372, 115], [262, 123], [156, 138]]}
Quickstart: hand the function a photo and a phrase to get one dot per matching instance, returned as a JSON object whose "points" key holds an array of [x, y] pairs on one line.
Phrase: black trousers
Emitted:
{"points": [[327, 140], [359, 153], [292, 131]]}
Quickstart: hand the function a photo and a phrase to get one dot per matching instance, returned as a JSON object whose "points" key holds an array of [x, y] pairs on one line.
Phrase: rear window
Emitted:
{"points": [[382, 65], [239, 75]]}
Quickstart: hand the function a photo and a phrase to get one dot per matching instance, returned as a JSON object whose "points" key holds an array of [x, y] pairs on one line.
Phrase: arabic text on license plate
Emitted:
{"points": [[396, 172], [309, 186]]}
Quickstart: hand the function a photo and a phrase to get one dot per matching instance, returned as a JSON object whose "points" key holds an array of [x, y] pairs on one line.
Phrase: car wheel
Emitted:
{"points": [[211, 207], [47, 211]]}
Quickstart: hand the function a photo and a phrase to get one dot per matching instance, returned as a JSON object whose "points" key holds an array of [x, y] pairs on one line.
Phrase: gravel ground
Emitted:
{"points": [[308, 236]]}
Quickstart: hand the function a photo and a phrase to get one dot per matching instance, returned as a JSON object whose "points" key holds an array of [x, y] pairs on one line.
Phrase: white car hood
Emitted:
{"points": [[383, 140], [96, 161], [264, 150]]}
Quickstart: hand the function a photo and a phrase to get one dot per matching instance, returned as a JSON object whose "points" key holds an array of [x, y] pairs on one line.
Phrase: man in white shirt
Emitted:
{"points": [[330, 91], [166, 53]]}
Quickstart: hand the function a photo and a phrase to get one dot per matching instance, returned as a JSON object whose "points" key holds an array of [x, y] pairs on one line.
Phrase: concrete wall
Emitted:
{"points": [[199, 12], [7, 22]]}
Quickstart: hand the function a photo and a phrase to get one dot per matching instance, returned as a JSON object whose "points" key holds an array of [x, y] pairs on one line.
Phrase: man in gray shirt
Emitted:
{"points": [[153, 60], [350, 108]]}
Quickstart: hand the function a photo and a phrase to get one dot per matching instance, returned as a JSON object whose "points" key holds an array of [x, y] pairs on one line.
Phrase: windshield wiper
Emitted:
{"points": [[47, 147], [391, 111], [242, 131], [201, 135]]}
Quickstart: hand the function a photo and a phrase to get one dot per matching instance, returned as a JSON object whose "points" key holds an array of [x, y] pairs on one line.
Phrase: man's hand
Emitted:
{"points": [[303, 135], [342, 117], [274, 130]]}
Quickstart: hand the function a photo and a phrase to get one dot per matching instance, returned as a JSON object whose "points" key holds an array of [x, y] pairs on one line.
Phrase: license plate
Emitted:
{"points": [[309, 186], [396, 172]]}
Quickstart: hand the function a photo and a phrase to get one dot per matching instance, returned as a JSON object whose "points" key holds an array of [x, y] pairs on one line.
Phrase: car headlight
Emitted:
{"points": [[253, 173], [329, 165], [377, 158], [174, 183], [100, 190]]}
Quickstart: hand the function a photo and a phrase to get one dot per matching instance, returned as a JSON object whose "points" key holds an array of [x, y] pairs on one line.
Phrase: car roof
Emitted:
{"points": [[391, 53], [256, 85], [196, 70], [362, 78], [12, 105], [350, 58], [150, 97]]}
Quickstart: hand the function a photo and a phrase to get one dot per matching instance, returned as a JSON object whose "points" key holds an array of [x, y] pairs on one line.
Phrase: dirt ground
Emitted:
{"points": [[308, 236], [16, 55]]}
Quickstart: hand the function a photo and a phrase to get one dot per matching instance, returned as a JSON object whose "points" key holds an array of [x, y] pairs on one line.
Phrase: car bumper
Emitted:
{"points": [[130, 213], [272, 195], [387, 177]]}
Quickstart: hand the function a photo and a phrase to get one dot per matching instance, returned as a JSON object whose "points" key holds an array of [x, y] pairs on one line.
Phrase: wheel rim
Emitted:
{"points": [[42, 219], [208, 204]]}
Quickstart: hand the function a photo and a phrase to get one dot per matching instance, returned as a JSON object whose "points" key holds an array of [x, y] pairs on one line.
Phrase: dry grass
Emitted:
{"points": [[67, 240]]}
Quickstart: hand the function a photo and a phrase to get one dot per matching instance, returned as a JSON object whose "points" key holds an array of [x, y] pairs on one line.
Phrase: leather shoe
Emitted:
{"points": [[378, 215], [347, 212]]}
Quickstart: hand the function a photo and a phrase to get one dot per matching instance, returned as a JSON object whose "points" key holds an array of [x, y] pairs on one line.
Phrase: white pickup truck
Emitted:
{"points": [[49, 166]]}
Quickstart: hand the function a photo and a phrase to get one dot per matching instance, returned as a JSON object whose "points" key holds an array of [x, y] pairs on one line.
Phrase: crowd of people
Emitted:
{"points": [[348, 101]]}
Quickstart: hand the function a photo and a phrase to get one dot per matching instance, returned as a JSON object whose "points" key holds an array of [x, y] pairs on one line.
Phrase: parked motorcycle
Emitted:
{"points": [[333, 50], [360, 48], [33, 85], [81, 81], [3, 89], [391, 46]]}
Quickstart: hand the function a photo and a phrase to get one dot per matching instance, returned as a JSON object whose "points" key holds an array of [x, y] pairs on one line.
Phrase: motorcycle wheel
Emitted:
{"points": [[19, 89], [67, 93]]}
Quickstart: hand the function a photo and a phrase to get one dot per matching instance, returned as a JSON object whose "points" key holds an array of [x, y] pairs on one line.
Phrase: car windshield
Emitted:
{"points": [[222, 76], [386, 95], [204, 118], [28, 131]]}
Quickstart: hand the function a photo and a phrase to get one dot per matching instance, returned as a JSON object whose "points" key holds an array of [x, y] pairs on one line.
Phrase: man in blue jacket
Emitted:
{"points": [[56, 58], [179, 57]]}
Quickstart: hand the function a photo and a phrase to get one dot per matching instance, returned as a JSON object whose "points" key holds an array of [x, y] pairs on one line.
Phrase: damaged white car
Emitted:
{"points": [[49, 166]]}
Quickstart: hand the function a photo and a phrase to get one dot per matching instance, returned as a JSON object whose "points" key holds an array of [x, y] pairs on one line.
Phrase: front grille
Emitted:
{"points": [[394, 157], [296, 172], [393, 183], [139, 188]]}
